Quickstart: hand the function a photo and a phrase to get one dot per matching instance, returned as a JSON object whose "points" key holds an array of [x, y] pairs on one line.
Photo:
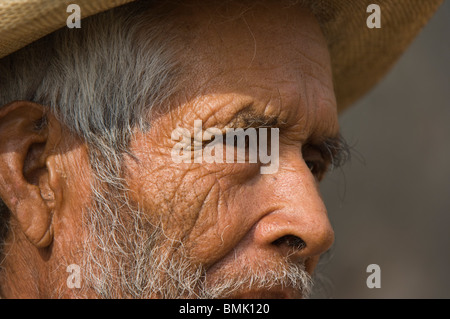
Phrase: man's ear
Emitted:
{"points": [[29, 183]]}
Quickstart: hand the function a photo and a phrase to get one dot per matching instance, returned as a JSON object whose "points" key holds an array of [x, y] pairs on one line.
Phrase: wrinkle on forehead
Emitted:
{"points": [[276, 59]]}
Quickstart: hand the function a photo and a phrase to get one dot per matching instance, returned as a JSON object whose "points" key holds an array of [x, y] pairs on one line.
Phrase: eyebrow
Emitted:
{"points": [[248, 117], [335, 149]]}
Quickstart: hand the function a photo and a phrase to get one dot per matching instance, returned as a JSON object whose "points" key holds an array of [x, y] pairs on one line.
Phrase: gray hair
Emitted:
{"points": [[101, 81]]}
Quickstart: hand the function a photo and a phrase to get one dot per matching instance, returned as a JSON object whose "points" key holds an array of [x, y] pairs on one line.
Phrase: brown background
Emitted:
{"points": [[391, 204]]}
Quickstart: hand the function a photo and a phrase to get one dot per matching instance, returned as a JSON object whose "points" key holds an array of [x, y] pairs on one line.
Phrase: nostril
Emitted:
{"points": [[291, 241]]}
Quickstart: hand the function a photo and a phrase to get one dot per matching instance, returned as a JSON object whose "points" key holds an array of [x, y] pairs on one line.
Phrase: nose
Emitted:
{"points": [[299, 226]]}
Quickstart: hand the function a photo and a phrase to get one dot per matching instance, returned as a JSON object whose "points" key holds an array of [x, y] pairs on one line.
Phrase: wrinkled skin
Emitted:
{"points": [[272, 60]]}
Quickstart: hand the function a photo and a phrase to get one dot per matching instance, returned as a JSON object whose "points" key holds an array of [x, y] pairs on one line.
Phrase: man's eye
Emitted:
{"points": [[317, 167], [317, 160], [313, 167]]}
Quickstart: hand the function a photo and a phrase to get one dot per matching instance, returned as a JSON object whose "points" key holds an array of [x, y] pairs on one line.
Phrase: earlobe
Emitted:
{"points": [[35, 219], [26, 184]]}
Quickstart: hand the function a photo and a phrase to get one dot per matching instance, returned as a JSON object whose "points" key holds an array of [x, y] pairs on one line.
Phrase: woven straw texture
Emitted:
{"points": [[360, 56], [24, 21]]}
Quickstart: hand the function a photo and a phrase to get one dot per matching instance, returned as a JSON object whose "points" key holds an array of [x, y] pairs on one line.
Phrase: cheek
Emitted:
{"points": [[199, 204], [75, 178], [174, 194]]}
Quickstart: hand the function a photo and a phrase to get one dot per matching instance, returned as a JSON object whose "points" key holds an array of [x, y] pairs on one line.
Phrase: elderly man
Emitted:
{"points": [[88, 182]]}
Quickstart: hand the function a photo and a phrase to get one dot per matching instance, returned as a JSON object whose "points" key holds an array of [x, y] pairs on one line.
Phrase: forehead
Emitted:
{"points": [[270, 54]]}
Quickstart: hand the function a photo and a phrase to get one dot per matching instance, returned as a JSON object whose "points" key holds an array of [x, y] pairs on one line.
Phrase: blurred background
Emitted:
{"points": [[390, 205]]}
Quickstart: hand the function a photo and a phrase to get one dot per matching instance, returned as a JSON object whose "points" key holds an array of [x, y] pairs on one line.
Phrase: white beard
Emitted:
{"points": [[126, 256]]}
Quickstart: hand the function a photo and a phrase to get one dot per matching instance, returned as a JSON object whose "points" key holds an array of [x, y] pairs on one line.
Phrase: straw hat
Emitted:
{"points": [[360, 55]]}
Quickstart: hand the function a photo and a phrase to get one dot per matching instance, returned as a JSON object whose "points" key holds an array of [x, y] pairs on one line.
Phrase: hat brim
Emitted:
{"points": [[360, 56]]}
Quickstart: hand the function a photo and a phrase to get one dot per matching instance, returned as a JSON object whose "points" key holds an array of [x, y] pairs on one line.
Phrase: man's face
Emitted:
{"points": [[270, 63], [265, 66]]}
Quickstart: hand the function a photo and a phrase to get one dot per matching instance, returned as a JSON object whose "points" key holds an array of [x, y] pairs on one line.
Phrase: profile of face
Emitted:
{"points": [[184, 229]]}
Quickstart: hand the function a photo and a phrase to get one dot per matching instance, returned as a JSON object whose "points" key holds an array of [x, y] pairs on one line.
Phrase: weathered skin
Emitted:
{"points": [[271, 61]]}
